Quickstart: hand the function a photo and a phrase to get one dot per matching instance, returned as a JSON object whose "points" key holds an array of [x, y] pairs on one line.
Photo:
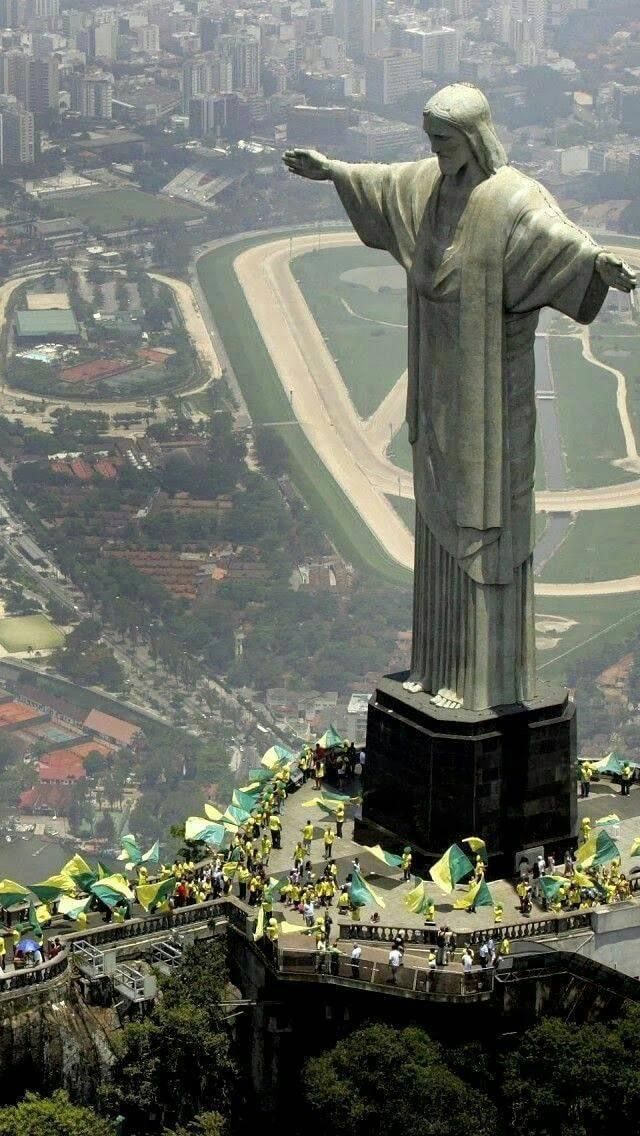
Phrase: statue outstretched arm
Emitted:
{"points": [[309, 164], [614, 272]]}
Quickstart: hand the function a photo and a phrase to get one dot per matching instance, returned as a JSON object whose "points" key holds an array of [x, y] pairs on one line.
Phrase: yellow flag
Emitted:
{"points": [[290, 928], [212, 812]]}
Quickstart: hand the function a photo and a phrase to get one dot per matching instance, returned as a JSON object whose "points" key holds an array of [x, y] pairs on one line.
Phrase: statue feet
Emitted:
{"points": [[413, 687], [447, 699]]}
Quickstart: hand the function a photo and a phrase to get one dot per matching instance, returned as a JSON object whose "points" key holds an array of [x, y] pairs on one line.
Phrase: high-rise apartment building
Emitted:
{"points": [[12, 13], [43, 9], [100, 41], [392, 74], [438, 48], [148, 37], [33, 82], [17, 137], [92, 95], [354, 22]]}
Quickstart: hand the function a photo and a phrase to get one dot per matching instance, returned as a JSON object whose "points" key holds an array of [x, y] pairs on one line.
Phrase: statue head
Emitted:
{"points": [[458, 120]]}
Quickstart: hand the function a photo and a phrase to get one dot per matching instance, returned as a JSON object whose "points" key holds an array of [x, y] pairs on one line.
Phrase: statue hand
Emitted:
{"points": [[614, 272], [308, 164]]}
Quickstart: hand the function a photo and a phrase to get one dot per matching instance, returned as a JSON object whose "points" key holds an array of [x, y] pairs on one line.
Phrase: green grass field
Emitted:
{"points": [[589, 423], [601, 545], [370, 352], [268, 403], [618, 345], [406, 508], [605, 622], [114, 207], [20, 632]]}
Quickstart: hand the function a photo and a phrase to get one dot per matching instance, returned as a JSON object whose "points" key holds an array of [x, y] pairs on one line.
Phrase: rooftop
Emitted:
{"points": [[36, 324], [123, 732]]}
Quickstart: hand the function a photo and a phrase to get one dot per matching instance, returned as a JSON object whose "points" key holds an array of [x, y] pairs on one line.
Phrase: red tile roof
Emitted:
{"points": [[62, 765], [122, 732]]}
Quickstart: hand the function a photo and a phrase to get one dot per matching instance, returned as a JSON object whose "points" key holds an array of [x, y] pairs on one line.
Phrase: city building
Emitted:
{"points": [[12, 13], [33, 82], [148, 37], [17, 137], [392, 74], [100, 41], [438, 48], [354, 22], [316, 125], [92, 95]]}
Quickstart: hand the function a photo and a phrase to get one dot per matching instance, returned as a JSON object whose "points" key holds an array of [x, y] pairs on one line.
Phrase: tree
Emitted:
{"points": [[105, 828], [567, 1080], [55, 1115], [381, 1080], [170, 1067]]}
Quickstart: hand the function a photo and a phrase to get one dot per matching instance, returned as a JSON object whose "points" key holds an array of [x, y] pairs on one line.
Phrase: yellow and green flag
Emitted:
{"points": [[199, 828], [477, 846], [635, 847], [599, 849], [418, 900], [212, 812], [71, 908], [450, 869], [276, 756], [153, 895], [112, 890], [478, 895], [54, 886], [11, 892], [387, 858], [362, 893]]}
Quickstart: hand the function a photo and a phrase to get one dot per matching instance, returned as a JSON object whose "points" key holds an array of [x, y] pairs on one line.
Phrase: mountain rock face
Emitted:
{"points": [[52, 1041]]}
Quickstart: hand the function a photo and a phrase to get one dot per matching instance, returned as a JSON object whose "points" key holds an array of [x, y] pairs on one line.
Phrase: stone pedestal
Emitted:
{"points": [[434, 776]]}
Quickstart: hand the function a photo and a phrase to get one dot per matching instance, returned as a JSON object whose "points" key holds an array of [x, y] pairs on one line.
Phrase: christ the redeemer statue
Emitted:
{"points": [[484, 248]]}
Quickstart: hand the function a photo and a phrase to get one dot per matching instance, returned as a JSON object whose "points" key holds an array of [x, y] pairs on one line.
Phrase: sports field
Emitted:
{"points": [[115, 207], [21, 632]]}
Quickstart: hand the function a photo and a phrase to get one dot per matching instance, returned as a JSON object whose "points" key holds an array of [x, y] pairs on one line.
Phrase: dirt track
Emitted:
{"points": [[350, 447]]}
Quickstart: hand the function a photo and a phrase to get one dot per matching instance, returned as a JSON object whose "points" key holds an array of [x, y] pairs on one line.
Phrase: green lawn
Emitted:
{"points": [[603, 625], [20, 632], [589, 423], [268, 403], [602, 545], [406, 507], [370, 352], [618, 345], [400, 451], [114, 207]]}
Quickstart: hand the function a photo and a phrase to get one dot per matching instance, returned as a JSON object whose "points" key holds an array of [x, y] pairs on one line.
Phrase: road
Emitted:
{"points": [[350, 448]]}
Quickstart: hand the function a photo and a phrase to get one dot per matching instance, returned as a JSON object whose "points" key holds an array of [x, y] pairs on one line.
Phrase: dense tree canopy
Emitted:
{"points": [[54, 1115], [381, 1080]]}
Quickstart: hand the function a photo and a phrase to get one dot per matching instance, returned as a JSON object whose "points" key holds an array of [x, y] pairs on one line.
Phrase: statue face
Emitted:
{"points": [[449, 145]]}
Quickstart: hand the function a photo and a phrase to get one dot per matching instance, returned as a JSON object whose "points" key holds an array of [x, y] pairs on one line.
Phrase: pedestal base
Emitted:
{"points": [[434, 776]]}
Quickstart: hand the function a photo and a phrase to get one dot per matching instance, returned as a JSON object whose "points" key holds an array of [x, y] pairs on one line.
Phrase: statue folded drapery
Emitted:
{"points": [[481, 262]]}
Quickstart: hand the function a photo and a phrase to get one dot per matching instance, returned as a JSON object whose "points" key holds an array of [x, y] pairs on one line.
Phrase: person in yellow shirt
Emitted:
{"points": [[272, 930], [265, 848], [406, 864], [339, 819], [328, 842], [243, 880], [344, 902], [275, 828], [307, 836], [585, 775]]}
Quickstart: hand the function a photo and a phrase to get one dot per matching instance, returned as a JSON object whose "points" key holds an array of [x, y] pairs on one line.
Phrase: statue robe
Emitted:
{"points": [[475, 290]]}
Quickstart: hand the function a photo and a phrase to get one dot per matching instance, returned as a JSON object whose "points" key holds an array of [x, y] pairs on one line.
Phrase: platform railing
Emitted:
{"points": [[422, 981]]}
